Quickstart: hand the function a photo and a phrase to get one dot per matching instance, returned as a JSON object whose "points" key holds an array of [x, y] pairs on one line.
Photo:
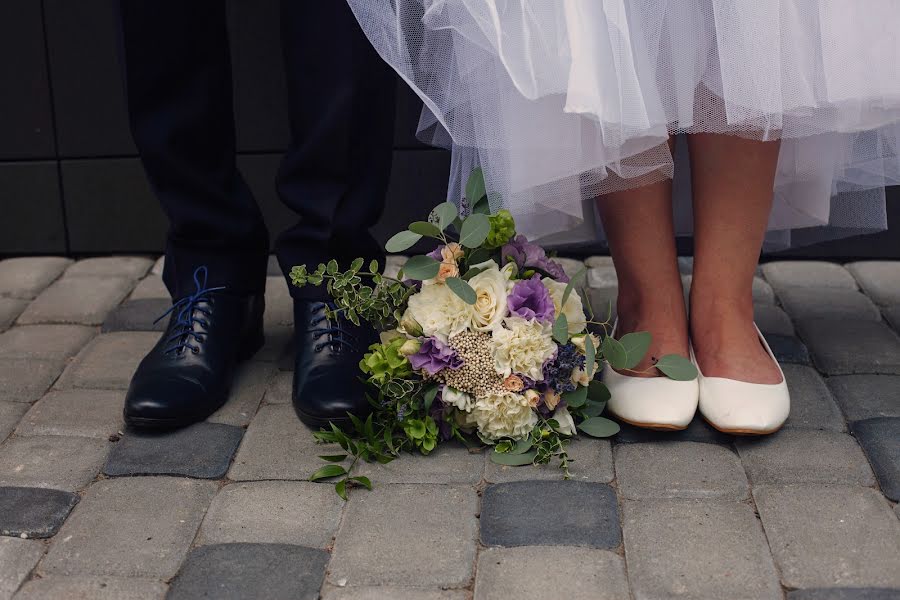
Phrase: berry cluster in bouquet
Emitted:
{"points": [[484, 340]]}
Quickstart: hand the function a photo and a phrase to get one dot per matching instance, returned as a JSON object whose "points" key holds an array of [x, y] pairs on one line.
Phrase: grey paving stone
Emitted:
{"points": [[603, 301], [698, 430], [788, 349], [892, 315], [84, 300], [51, 461], [449, 463], [10, 309], [34, 512], [812, 406], [686, 265], [572, 267], [10, 414], [762, 292], [108, 361], [697, 549], [867, 396], [245, 571], [333, 592], [278, 512], [279, 340], [203, 450], [17, 559], [130, 527], [393, 264], [412, 521], [679, 470], [515, 514], [130, 267], [27, 277], [280, 387], [246, 393], [279, 305], [844, 594], [771, 319], [278, 446], [273, 269], [807, 273], [845, 347], [150, 287], [880, 440], [47, 342], [830, 535], [87, 413], [598, 261], [592, 461], [880, 279], [576, 574], [138, 315], [602, 277], [805, 456], [92, 588], [828, 303], [26, 379]]}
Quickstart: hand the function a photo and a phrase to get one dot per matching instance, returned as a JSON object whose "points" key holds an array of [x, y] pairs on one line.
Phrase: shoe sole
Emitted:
{"points": [[653, 426], [742, 432], [143, 423], [317, 423]]}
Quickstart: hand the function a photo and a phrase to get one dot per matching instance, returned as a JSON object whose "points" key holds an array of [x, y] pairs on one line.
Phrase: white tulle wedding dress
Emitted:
{"points": [[560, 101]]}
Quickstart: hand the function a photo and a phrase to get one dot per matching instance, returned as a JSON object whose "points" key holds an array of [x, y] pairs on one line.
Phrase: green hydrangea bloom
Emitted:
{"points": [[503, 228], [385, 361]]}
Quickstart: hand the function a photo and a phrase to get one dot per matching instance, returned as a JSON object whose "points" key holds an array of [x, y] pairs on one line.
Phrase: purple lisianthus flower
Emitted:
{"points": [[527, 255], [434, 356], [436, 253], [530, 299]]}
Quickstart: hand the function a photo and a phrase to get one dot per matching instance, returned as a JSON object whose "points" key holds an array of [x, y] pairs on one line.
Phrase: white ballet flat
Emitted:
{"points": [[651, 402], [743, 408]]}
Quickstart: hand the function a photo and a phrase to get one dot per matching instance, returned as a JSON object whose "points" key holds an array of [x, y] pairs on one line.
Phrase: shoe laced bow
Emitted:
{"points": [[339, 336]]}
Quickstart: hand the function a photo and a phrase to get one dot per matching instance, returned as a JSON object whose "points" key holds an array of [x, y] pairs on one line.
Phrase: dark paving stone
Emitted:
{"points": [[203, 450], [698, 431], [844, 594], [845, 347], [788, 349], [246, 571], [584, 514], [880, 440], [867, 396], [35, 512], [138, 315]]}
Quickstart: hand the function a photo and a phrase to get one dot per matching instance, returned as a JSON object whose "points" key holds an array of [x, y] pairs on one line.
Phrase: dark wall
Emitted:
{"points": [[69, 178]]}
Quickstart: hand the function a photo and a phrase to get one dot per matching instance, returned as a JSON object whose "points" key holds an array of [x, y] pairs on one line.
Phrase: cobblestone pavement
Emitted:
{"points": [[223, 509]]}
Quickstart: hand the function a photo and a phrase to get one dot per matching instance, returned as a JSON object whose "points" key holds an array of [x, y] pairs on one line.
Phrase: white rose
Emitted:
{"points": [[565, 420], [522, 346], [573, 309], [504, 415], [490, 297], [439, 312], [461, 400]]}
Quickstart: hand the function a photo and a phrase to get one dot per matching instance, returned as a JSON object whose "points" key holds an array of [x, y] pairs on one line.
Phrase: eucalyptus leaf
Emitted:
{"points": [[421, 267], [402, 241], [521, 447], [473, 272], [577, 398], [614, 352], [425, 228], [475, 187], [590, 355], [677, 367], [461, 289], [513, 460], [636, 345], [561, 329], [475, 230], [571, 285], [599, 427], [593, 409], [598, 392], [327, 472], [446, 213]]}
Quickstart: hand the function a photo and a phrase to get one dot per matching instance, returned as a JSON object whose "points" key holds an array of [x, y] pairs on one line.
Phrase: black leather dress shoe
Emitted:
{"points": [[188, 374], [327, 382]]}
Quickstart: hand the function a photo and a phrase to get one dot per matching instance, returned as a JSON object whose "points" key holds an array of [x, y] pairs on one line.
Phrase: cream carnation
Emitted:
{"points": [[573, 309], [461, 400], [504, 415], [439, 312], [490, 288], [522, 346]]}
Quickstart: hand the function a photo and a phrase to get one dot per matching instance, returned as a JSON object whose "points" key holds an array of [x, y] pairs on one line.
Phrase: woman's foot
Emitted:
{"points": [[664, 318], [726, 342]]}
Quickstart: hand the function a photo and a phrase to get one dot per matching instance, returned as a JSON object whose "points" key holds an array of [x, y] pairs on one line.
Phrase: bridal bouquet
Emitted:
{"points": [[484, 340]]}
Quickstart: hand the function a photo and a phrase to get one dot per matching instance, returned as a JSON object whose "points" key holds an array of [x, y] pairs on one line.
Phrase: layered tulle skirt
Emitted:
{"points": [[561, 101]]}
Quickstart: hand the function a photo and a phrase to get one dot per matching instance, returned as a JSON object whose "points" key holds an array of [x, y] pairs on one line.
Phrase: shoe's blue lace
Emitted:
{"points": [[339, 336], [183, 328]]}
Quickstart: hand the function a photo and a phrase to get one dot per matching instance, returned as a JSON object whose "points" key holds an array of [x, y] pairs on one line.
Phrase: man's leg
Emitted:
{"points": [[178, 79], [334, 177]]}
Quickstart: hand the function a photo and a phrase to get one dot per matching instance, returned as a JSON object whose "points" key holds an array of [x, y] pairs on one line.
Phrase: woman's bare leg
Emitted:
{"points": [[638, 224], [732, 180]]}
